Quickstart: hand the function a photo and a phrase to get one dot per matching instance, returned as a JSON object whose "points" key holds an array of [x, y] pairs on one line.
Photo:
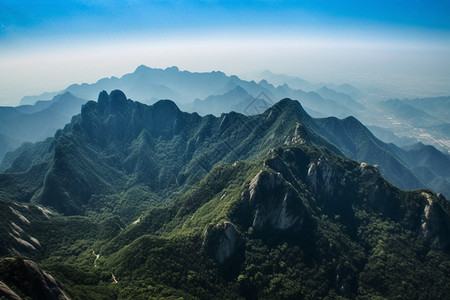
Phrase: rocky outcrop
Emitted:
{"points": [[372, 182], [435, 223], [274, 202], [378, 192], [221, 241], [26, 277], [7, 293], [369, 173], [321, 177], [298, 137]]}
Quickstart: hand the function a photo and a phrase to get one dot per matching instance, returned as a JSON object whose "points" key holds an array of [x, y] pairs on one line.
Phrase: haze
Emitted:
{"points": [[401, 46]]}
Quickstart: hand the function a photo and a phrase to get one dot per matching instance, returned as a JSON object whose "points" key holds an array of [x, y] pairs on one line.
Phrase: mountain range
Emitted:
{"points": [[397, 121], [32, 123], [116, 144], [425, 118], [352, 138], [206, 93], [134, 201], [190, 88]]}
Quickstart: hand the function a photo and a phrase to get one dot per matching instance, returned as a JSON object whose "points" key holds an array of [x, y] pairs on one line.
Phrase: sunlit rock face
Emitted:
{"points": [[6, 292], [435, 224], [274, 201], [321, 177]]}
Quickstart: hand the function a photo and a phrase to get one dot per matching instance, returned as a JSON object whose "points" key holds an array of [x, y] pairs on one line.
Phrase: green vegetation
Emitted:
{"points": [[352, 246], [169, 212]]}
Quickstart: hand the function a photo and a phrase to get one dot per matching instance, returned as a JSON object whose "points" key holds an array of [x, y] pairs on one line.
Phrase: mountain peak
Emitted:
{"points": [[287, 103], [325, 89], [118, 96], [266, 73], [166, 105], [352, 120], [116, 100], [142, 68], [173, 69], [65, 96], [290, 110]]}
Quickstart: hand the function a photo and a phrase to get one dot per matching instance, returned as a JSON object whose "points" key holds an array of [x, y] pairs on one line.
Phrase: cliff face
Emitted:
{"points": [[6, 292], [274, 202], [435, 223], [321, 177], [25, 278], [221, 241]]}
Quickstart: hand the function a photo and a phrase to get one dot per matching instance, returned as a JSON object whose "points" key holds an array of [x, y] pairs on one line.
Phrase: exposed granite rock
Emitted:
{"points": [[274, 202], [369, 173], [377, 190], [6, 292], [372, 181], [321, 177], [435, 225], [298, 137], [221, 241], [26, 277]]}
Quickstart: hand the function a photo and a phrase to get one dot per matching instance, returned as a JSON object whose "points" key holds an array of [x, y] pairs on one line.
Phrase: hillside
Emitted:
{"points": [[299, 223], [115, 146], [133, 201], [407, 168]]}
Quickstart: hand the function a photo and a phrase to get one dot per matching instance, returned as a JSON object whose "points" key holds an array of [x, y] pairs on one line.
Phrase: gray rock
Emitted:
{"points": [[30, 280], [321, 177], [6, 292], [274, 202], [435, 225], [221, 241]]}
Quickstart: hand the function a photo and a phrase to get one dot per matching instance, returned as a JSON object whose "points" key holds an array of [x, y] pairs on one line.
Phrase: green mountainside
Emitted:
{"points": [[407, 168], [399, 121], [119, 146], [133, 201]]}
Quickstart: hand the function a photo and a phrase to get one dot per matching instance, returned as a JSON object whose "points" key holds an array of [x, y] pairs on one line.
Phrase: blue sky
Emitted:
{"points": [[46, 45], [27, 18]]}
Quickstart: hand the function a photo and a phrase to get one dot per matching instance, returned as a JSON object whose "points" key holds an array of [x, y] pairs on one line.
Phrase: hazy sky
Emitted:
{"points": [[47, 45]]}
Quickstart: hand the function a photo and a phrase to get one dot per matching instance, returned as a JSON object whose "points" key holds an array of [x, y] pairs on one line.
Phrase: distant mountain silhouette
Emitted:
{"points": [[216, 93], [32, 123], [389, 137], [438, 107], [408, 113], [205, 93], [150, 85]]}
